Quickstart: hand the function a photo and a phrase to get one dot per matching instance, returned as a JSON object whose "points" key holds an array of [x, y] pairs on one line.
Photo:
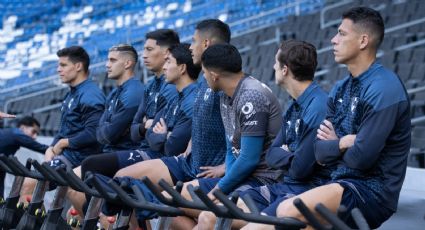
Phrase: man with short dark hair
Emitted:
{"points": [[157, 94], [121, 105], [251, 116], [172, 126], [81, 110], [23, 135], [122, 102], [367, 130], [292, 151]]}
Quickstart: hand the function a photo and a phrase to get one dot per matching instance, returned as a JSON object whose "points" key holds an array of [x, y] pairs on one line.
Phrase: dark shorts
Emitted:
{"points": [[207, 184], [175, 166], [268, 197], [73, 160], [130, 157], [70, 162], [358, 195]]}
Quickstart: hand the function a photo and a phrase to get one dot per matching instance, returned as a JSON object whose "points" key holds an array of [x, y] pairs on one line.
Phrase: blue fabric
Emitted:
{"points": [[207, 184], [299, 129], [240, 168], [175, 166], [111, 209], [357, 195], [81, 110], [374, 106], [13, 138], [10, 141], [300, 123], [121, 106], [178, 118], [157, 94], [208, 138]]}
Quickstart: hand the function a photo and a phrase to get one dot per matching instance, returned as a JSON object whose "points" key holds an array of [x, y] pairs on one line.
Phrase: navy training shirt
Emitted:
{"points": [[299, 128], [374, 106], [178, 118], [158, 93], [13, 138], [81, 111], [121, 106]]}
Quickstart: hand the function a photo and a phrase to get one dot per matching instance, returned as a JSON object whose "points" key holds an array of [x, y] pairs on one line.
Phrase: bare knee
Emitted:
{"points": [[287, 209], [206, 220]]}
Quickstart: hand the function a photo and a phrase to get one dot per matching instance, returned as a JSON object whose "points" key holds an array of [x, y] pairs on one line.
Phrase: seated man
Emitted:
{"points": [[23, 135], [367, 130], [157, 94], [122, 102], [81, 110], [252, 118], [292, 151], [172, 126]]}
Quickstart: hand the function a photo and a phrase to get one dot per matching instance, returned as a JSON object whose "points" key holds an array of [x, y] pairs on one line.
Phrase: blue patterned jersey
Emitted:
{"points": [[157, 95], [208, 139], [177, 116]]}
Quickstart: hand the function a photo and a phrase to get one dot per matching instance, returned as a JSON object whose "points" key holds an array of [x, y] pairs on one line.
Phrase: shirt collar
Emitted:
{"points": [[306, 94], [79, 86], [375, 65]]}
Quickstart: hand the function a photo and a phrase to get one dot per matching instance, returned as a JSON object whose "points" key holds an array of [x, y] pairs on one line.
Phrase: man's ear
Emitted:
{"points": [[79, 66], [214, 75], [206, 43], [128, 63], [182, 69], [364, 41]]}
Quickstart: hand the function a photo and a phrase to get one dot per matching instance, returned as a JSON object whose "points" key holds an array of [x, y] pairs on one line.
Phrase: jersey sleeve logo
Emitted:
{"points": [[248, 110], [207, 94]]}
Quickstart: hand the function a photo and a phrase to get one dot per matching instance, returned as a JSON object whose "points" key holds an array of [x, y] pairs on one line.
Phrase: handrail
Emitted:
{"points": [[417, 120], [324, 25]]}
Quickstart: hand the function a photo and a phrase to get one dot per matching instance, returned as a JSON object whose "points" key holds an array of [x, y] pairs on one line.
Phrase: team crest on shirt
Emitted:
{"points": [[248, 110], [110, 105], [297, 126], [354, 103], [156, 97], [70, 103], [175, 110], [207, 94]]}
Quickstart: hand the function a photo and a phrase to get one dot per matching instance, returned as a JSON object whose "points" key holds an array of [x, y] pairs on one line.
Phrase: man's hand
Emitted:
{"points": [[160, 127], [212, 171], [212, 197], [326, 131], [49, 154], [60, 145], [6, 115], [148, 123], [188, 149], [346, 142]]}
